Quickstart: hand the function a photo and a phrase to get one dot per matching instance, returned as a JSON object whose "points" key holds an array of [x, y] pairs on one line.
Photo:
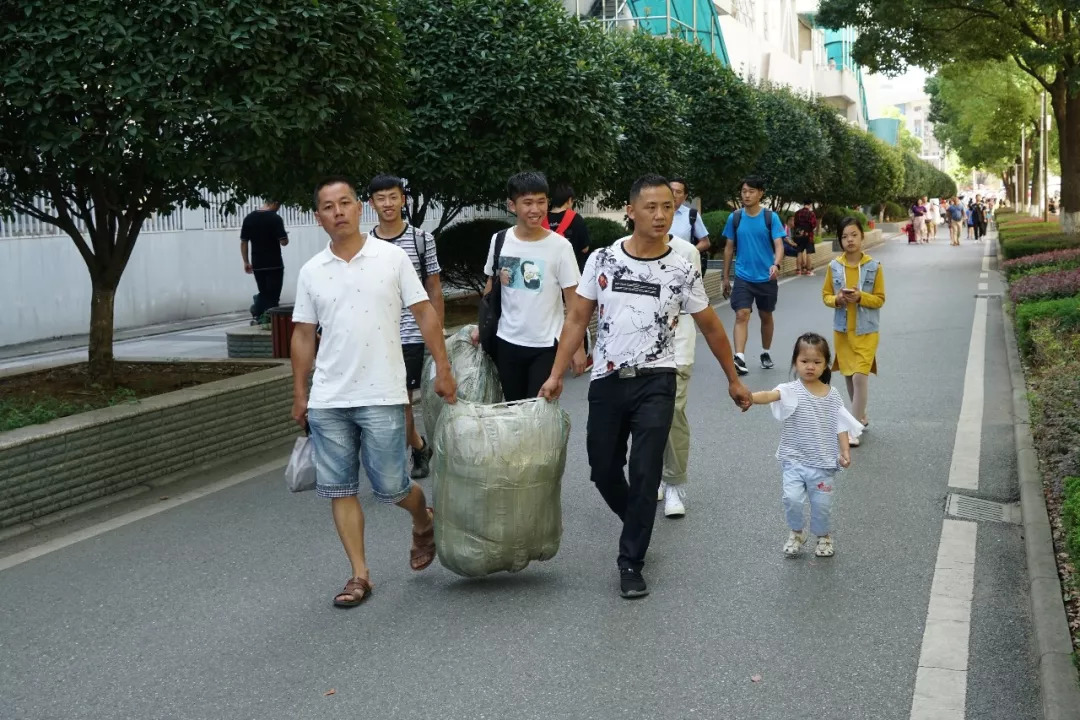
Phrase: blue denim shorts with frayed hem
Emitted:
{"points": [[345, 437]]}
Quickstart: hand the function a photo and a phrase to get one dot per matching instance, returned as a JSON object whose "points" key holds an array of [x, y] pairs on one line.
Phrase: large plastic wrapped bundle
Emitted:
{"points": [[476, 375], [498, 485]]}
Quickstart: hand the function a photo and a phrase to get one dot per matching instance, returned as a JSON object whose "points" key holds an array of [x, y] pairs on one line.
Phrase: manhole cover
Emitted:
{"points": [[970, 508]]}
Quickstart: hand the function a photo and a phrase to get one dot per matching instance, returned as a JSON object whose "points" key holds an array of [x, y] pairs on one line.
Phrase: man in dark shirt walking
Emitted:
{"points": [[265, 231], [563, 219]]}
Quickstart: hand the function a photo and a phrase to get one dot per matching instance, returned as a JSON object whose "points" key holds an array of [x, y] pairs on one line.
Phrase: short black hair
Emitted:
{"points": [[385, 181], [755, 181], [561, 194], [647, 181], [818, 343], [526, 183], [681, 181], [333, 180], [849, 220]]}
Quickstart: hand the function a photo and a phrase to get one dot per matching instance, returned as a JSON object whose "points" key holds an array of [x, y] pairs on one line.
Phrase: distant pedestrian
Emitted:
{"points": [[918, 219], [969, 219], [805, 231], [955, 213], [355, 289], [855, 288], [565, 221], [264, 231], [978, 218], [759, 236], [932, 218], [386, 193], [687, 223], [814, 443]]}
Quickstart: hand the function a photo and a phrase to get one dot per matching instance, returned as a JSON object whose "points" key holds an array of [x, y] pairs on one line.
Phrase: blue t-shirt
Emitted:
{"points": [[956, 213], [754, 252]]}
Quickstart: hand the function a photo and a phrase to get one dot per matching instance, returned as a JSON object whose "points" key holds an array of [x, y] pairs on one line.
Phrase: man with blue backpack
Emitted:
{"points": [[755, 240]]}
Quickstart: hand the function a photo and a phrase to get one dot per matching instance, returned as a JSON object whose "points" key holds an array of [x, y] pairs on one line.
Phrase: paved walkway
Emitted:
{"points": [[219, 607]]}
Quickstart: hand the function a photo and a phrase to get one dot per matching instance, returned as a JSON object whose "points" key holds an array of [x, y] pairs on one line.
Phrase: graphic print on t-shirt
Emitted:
{"points": [[521, 273]]}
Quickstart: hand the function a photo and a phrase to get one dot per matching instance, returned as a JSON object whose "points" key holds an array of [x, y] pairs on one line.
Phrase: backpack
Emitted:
{"points": [[421, 253], [737, 216], [703, 253], [487, 321]]}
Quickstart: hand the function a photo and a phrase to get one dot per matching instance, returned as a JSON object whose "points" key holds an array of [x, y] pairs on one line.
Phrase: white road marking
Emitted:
{"points": [[984, 275], [135, 515], [941, 679], [964, 471], [986, 261], [984, 286]]}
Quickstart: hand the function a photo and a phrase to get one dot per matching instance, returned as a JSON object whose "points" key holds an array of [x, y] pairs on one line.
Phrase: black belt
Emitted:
{"points": [[632, 372]]}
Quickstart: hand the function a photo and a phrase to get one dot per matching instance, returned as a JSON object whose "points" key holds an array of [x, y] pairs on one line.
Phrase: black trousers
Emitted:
{"points": [[269, 281], [641, 408], [523, 370], [980, 230]]}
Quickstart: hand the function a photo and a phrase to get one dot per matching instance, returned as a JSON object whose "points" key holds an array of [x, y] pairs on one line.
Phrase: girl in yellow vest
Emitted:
{"points": [[855, 287]]}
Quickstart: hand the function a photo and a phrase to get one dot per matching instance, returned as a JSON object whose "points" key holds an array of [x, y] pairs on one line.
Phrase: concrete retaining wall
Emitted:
{"points": [[46, 468]]}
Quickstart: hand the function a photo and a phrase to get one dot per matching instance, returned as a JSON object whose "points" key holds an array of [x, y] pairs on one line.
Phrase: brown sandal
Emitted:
{"points": [[422, 553], [356, 591]]}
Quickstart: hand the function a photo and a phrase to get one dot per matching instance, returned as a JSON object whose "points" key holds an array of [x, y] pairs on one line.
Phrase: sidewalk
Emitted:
{"points": [[198, 338]]}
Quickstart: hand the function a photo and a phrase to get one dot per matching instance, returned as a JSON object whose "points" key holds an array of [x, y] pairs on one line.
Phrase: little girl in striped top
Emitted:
{"points": [[813, 441]]}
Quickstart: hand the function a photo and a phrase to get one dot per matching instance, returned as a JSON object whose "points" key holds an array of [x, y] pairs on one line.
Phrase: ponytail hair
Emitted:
{"points": [[820, 344]]}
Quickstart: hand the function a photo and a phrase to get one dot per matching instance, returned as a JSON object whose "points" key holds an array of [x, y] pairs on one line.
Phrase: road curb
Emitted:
{"points": [[1058, 681]]}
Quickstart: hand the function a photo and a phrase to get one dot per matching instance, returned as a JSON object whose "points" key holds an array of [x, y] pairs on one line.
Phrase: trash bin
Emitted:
{"points": [[281, 329]]}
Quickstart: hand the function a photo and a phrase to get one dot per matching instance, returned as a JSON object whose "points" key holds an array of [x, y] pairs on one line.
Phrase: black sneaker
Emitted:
{"points": [[766, 360], [421, 461], [631, 584], [740, 366]]}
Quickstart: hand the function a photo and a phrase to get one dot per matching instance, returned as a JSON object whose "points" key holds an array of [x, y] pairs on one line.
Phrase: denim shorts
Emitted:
{"points": [[336, 434]]}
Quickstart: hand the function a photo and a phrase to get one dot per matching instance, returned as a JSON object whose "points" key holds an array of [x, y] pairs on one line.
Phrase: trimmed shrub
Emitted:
{"points": [[603, 231], [463, 249], [1058, 259], [893, 211], [1034, 245], [832, 216], [1019, 230], [1061, 316], [715, 220], [1057, 284]]}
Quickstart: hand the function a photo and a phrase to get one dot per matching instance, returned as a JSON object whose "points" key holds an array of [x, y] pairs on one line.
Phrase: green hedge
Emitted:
{"points": [[1070, 517], [1024, 245], [832, 216], [715, 220], [1062, 313], [893, 211], [603, 232], [463, 250]]}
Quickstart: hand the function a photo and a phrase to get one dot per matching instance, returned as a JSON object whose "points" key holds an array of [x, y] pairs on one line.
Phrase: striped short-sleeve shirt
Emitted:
{"points": [[811, 425], [415, 242]]}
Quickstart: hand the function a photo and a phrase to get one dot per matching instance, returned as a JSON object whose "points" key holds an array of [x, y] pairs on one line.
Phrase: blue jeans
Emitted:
{"points": [[801, 482], [336, 434]]}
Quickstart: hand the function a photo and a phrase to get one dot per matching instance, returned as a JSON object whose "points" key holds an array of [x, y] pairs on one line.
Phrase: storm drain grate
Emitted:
{"points": [[987, 295], [971, 508]]}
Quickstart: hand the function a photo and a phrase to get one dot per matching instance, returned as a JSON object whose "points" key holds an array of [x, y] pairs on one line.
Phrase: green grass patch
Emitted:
{"points": [[20, 413], [1070, 517], [1059, 317]]}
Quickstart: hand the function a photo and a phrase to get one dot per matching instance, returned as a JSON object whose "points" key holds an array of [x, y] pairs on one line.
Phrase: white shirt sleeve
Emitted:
{"points": [[789, 400], [587, 286], [304, 309], [569, 275], [488, 270], [696, 299], [412, 291], [849, 424]]}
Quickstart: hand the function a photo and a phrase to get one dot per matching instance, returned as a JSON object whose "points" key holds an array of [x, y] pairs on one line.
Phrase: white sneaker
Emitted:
{"points": [[794, 544], [674, 506], [660, 492]]}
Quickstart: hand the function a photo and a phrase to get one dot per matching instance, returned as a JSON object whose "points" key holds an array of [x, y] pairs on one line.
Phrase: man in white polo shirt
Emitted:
{"points": [[641, 289], [355, 290]]}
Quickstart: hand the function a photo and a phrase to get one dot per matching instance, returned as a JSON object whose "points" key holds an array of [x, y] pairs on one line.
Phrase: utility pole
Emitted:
{"points": [[1023, 169], [1042, 154]]}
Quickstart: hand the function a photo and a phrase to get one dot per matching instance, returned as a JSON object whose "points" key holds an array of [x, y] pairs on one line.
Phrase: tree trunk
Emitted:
{"points": [[1036, 168], [100, 367], [1067, 116]]}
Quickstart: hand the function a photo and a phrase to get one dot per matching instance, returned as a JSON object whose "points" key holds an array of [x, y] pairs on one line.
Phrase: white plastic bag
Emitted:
{"points": [[300, 472]]}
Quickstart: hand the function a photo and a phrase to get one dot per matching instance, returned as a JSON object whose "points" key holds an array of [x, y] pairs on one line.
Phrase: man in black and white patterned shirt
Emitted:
{"points": [[387, 196], [640, 287]]}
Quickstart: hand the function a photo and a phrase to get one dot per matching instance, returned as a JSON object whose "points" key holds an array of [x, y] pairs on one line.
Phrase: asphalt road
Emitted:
{"points": [[220, 608]]}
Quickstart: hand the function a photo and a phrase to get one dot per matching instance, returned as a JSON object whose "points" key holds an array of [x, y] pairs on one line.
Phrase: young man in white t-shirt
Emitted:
{"points": [[538, 272], [677, 451], [355, 289], [640, 288]]}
